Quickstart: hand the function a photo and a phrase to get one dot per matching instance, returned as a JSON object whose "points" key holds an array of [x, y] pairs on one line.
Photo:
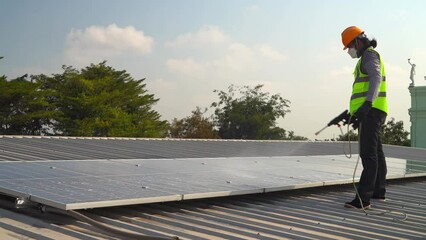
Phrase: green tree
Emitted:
{"points": [[194, 126], [277, 133], [393, 133], [24, 108], [253, 115], [101, 101], [349, 136], [291, 136]]}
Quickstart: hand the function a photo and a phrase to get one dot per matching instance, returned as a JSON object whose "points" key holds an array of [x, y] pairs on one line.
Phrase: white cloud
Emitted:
{"points": [[206, 35], [227, 59], [238, 58], [268, 52], [186, 66], [97, 43]]}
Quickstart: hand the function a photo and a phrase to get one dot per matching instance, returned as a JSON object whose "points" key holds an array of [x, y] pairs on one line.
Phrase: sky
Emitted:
{"points": [[186, 49]]}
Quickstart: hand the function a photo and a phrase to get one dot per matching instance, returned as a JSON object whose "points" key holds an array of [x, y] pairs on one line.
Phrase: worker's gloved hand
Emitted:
{"points": [[362, 111], [354, 122]]}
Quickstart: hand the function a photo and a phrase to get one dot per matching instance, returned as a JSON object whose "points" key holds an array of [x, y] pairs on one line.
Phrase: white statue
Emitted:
{"points": [[413, 72]]}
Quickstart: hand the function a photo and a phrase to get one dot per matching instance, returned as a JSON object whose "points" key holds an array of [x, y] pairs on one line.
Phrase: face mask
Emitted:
{"points": [[352, 52]]}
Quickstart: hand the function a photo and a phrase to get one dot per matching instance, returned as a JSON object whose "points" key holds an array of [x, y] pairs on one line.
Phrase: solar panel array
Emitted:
{"points": [[76, 173]]}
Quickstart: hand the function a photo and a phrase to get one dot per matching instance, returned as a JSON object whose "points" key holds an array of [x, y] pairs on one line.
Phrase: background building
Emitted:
{"points": [[418, 116]]}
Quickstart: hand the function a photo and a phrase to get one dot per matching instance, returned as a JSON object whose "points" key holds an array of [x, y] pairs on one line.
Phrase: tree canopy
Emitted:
{"points": [[349, 136], [24, 109], [95, 101], [252, 115], [194, 126], [393, 133]]}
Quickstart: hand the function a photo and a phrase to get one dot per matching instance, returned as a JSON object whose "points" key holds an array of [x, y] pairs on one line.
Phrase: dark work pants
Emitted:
{"points": [[373, 176]]}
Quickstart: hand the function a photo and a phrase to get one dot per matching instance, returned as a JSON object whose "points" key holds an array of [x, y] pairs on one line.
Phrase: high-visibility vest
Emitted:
{"points": [[361, 85]]}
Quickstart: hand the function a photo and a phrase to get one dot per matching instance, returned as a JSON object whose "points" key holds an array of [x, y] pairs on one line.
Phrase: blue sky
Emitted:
{"points": [[186, 49]]}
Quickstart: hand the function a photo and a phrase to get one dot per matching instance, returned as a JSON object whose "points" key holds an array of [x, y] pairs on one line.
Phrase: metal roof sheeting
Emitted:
{"points": [[30, 148], [311, 213], [315, 213]]}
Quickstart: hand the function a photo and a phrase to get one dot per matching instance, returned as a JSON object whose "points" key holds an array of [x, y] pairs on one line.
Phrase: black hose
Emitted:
{"points": [[105, 227], [113, 230]]}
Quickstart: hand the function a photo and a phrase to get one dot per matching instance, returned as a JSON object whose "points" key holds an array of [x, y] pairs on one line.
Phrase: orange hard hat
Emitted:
{"points": [[349, 34]]}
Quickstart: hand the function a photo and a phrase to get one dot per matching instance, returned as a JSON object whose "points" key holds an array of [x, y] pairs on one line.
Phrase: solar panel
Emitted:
{"points": [[100, 183]]}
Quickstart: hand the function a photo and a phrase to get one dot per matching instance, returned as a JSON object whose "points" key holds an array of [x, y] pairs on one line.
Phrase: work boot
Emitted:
{"points": [[379, 198], [357, 204]]}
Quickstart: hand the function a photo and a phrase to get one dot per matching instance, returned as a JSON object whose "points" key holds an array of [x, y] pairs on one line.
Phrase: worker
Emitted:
{"points": [[368, 110]]}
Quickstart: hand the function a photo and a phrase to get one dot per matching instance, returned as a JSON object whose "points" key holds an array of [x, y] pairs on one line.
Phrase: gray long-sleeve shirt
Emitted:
{"points": [[371, 66]]}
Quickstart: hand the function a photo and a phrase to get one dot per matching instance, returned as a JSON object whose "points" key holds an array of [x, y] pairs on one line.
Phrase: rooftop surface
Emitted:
{"points": [[312, 213], [308, 213]]}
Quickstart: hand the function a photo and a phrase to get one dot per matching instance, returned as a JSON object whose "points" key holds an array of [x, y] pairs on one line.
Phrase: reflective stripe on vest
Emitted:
{"points": [[364, 94], [361, 85]]}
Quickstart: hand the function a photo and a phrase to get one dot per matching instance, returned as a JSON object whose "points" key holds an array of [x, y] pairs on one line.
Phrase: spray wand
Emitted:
{"points": [[343, 117]]}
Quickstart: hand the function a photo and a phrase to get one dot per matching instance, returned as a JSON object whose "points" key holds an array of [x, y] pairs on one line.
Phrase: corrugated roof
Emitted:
{"points": [[31, 148], [28, 148], [118, 180], [312, 213], [315, 213]]}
